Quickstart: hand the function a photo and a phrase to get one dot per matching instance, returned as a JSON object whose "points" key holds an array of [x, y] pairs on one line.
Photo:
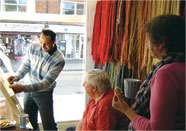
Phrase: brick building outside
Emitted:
{"points": [[21, 22]]}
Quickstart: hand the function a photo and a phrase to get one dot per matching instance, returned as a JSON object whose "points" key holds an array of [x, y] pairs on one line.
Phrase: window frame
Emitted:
{"points": [[68, 8], [17, 4], [84, 10], [75, 8]]}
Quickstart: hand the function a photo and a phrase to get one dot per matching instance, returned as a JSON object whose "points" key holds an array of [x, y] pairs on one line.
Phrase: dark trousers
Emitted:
{"points": [[42, 102], [70, 128]]}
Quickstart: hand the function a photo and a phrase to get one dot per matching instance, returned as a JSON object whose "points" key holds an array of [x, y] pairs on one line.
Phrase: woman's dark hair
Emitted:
{"points": [[50, 33], [169, 29]]}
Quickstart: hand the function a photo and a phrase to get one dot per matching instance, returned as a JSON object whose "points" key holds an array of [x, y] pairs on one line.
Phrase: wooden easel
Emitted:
{"points": [[11, 99], [8, 93]]}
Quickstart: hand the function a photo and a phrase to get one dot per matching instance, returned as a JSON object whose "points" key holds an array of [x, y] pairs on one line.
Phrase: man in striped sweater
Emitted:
{"points": [[43, 63]]}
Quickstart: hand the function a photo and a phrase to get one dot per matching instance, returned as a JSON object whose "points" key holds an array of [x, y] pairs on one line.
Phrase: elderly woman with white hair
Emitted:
{"points": [[99, 113]]}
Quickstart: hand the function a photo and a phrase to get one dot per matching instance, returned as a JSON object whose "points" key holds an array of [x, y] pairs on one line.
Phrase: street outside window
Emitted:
{"points": [[21, 25]]}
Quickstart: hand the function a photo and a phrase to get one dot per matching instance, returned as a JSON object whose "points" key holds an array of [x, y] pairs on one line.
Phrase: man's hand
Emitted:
{"points": [[11, 79], [17, 88]]}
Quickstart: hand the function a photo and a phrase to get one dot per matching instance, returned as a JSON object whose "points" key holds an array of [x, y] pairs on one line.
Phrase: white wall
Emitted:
{"points": [[91, 7]]}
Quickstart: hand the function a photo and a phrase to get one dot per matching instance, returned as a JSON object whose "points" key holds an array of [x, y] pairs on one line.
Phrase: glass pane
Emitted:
{"points": [[22, 1], [80, 9], [10, 8], [68, 12], [77, 42], [79, 12], [80, 6], [11, 1], [22, 8], [68, 5], [72, 46]]}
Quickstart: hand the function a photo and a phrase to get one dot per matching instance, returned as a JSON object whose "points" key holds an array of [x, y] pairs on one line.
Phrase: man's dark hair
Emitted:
{"points": [[50, 33], [169, 29]]}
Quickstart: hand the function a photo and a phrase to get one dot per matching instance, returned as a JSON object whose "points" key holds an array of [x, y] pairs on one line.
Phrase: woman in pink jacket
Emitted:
{"points": [[160, 101]]}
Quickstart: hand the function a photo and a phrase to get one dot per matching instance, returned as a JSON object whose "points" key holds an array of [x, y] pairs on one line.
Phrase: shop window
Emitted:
{"points": [[70, 8], [73, 46], [69, 92], [15, 5]]}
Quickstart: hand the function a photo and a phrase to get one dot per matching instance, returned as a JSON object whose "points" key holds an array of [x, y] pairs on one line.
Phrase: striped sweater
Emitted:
{"points": [[42, 67]]}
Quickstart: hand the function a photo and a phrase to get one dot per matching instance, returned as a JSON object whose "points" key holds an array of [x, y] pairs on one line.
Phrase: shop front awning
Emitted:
{"points": [[19, 33]]}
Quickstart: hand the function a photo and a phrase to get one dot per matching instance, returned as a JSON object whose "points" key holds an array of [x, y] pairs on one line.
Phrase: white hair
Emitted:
{"points": [[99, 78]]}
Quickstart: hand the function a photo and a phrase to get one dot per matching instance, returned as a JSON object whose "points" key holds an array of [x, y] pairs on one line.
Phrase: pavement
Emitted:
{"points": [[66, 107], [70, 64], [74, 65]]}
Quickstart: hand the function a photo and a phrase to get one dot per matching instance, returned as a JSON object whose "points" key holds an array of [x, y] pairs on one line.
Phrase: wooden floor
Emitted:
{"points": [[63, 125]]}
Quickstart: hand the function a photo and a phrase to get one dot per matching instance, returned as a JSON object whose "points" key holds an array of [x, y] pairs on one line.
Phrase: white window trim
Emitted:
{"points": [[1, 6]]}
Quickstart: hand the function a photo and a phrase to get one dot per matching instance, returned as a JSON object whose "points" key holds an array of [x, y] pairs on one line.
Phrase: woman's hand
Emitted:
{"points": [[119, 103]]}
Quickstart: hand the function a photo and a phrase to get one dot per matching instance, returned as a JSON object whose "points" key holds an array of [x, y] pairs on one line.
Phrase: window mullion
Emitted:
{"points": [[75, 9]]}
